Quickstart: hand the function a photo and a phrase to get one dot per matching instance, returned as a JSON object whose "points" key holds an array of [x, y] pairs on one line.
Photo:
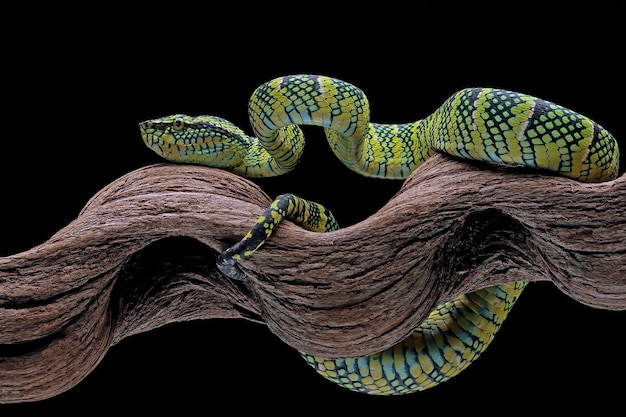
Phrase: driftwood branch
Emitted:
{"points": [[141, 254]]}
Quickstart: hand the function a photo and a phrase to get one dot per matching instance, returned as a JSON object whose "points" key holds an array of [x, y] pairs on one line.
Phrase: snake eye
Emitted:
{"points": [[179, 123]]}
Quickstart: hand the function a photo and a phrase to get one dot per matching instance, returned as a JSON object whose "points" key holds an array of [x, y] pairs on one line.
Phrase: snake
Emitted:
{"points": [[491, 125]]}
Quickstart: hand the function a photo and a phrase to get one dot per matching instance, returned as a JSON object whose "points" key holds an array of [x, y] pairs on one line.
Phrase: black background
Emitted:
{"points": [[78, 81]]}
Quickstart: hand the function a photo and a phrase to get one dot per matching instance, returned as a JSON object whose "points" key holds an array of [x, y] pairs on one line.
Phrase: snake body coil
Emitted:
{"points": [[484, 124]]}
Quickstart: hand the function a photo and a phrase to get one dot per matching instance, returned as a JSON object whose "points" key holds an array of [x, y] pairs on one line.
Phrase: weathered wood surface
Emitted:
{"points": [[141, 254]]}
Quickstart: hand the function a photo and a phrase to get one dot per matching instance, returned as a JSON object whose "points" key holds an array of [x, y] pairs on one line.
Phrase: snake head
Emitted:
{"points": [[204, 140]]}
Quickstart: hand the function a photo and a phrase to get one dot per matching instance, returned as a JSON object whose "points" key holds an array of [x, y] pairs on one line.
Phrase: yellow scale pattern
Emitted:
{"points": [[483, 124], [450, 339]]}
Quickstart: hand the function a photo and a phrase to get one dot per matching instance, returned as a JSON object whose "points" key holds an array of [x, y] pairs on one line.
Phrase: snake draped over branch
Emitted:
{"points": [[484, 124]]}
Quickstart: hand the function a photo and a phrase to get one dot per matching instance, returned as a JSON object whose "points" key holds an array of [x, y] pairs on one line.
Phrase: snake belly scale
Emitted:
{"points": [[484, 124]]}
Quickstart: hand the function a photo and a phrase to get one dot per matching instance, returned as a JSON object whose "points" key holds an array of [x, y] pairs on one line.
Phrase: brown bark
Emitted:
{"points": [[141, 254]]}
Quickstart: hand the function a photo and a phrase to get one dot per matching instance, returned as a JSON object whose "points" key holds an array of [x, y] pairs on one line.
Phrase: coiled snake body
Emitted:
{"points": [[484, 124]]}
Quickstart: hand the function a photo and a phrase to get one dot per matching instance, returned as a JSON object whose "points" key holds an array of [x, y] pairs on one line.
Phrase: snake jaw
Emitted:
{"points": [[156, 137]]}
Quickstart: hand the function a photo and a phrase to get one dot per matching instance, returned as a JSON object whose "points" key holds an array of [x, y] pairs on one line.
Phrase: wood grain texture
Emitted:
{"points": [[141, 255]]}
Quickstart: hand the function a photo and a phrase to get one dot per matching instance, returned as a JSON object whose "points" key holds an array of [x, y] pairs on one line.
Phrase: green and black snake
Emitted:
{"points": [[484, 124]]}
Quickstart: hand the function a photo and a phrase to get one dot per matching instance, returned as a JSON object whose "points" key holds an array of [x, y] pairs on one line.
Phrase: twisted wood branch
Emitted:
{"points": [[141, 254]]}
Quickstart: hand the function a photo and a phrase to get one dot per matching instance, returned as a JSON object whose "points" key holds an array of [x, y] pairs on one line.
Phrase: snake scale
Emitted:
{"points": [[485, 124]]}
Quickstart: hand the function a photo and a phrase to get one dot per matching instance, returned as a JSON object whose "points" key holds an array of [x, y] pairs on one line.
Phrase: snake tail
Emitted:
{"points": [[305, 213]]}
